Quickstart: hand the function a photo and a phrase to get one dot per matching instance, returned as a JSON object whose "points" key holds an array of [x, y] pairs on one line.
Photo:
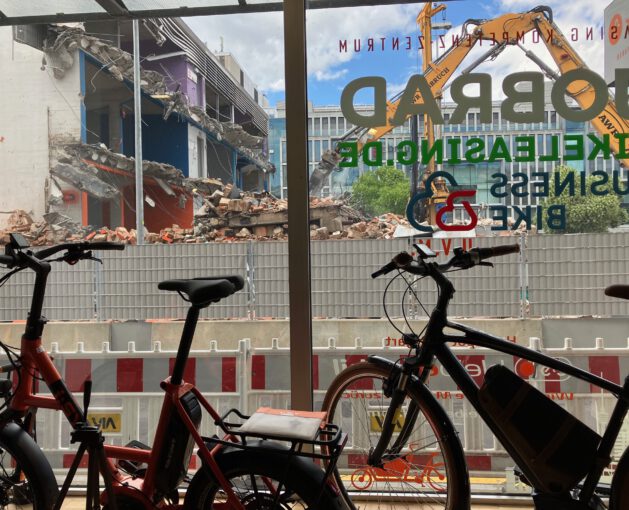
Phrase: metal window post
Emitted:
{"points": [[137, 109], [298, 218]]}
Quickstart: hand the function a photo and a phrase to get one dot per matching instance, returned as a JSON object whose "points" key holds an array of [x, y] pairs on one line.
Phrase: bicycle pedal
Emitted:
{"points": [[137, 469]]}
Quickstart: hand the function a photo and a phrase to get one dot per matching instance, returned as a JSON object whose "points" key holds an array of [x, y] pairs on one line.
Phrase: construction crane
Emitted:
{"points": [[514, 25]]}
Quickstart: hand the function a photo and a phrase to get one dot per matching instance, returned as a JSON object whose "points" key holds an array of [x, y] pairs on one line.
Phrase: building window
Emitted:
{"points": [[324, 127], [242, 78], [341, 125]]}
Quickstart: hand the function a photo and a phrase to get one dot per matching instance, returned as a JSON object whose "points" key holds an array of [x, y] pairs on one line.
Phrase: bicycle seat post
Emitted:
{"points": [[185, 344]]}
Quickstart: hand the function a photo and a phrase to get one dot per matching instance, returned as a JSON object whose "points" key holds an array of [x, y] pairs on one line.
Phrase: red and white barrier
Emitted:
{"points": [[127, 398]]}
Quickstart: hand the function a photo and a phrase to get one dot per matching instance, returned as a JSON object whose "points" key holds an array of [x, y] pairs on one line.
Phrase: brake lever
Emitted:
{"points": [[91, 257], [72, 258]]}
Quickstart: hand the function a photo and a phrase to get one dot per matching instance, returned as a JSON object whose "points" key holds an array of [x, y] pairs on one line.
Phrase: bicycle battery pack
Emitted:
{"points": [[556, 449], [177, 449]]}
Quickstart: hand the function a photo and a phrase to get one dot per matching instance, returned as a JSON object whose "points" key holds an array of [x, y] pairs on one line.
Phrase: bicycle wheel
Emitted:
{"points": [[26, 479], [263, 480], [429, 471]]}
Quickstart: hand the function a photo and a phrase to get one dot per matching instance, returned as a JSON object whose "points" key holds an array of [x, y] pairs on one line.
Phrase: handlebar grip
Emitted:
{"points": [[104, 245], [496, 251], [383, 270], [7, 260], [401, 260]]}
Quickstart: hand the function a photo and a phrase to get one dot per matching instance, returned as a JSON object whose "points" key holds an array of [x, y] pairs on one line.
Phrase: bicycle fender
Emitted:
{"points": [[446, 426]]}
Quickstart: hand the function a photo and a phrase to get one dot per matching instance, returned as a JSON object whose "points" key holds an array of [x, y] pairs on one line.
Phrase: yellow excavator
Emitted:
{"points": [[514, 26]]}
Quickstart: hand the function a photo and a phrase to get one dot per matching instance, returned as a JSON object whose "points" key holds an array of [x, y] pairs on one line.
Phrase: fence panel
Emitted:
{"points": [[566, 276], [130, 279], [568, 273]]}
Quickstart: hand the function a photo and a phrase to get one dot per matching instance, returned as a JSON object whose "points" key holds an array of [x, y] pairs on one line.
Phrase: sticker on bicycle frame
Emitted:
{"points": [[110, 422], [376, 419]]}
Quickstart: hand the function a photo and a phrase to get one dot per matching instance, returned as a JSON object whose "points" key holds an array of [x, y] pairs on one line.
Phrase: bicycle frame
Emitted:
{"points": [[435, 346], [34, 358]]}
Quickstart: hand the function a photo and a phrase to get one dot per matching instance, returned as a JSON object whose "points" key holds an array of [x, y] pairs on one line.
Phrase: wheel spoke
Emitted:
{"points": [[418, 475]]}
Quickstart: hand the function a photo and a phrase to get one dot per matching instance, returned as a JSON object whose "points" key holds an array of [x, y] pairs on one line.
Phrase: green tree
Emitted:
{"points": [[379, 191], [589, 212]]}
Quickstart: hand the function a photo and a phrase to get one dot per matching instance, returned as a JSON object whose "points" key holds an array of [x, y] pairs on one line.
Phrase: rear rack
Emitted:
{"points": [[329, 438], [327, 444]]}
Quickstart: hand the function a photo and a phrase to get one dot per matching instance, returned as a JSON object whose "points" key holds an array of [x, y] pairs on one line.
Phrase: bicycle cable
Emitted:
{"points": [[384, 302], [8, 275]]}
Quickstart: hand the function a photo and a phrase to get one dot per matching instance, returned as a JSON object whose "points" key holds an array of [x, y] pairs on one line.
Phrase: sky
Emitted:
{"points": [[256, 40]]}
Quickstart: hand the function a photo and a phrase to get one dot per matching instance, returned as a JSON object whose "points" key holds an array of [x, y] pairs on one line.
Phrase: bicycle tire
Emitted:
{"points": [[358, 384], [301, 481], [619, 497], [26, 478]]}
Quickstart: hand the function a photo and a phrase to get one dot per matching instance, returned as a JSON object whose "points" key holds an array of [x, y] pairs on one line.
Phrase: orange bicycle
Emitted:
{"points": [[259, 462]]}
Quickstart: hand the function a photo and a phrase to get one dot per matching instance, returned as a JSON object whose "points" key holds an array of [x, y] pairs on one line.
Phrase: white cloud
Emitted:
{"points": [[330, 75], [256, 40]]}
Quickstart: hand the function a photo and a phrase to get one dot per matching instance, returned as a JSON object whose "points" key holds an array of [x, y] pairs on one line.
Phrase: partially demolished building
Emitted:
{"points": [[66, 129]]}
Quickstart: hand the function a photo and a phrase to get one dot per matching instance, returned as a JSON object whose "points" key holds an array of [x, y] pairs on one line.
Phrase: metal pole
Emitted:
{"points": [[137, 108], [298, 193], [524, 279]]}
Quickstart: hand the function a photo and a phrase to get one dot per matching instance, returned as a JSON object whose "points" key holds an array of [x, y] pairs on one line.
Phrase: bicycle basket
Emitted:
{"points": [[555, 449]]}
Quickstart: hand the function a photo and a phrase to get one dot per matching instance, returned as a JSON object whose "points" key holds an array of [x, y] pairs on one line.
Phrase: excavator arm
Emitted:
{"points": [[442, 70], [609, 121]]}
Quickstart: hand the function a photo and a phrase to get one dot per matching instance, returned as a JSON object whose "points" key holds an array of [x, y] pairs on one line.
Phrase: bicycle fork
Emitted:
{"points": [[395, 408]]}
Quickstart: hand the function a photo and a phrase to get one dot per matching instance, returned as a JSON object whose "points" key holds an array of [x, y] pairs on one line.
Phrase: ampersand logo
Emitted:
{"points": [[449, 206]]}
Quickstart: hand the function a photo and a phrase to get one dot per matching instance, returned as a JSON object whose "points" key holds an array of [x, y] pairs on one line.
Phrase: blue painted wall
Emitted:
{"points": [[163, 141]]}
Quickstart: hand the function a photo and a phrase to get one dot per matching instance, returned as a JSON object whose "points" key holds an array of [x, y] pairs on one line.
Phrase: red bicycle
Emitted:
{"points": [[259, 462]]}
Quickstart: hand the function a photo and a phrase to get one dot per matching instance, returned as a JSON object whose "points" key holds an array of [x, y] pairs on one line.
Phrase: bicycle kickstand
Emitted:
{"points": [[90, 440]]}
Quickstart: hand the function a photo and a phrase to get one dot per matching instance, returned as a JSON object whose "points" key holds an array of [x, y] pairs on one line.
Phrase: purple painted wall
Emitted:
{"points": [[175, 69]]}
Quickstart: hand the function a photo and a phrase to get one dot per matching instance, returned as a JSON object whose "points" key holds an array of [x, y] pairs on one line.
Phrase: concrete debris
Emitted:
{"points": [[258, 216], [236, 135], [329, 161], [59, 50], [85, 178], [54, 228], [96, 170]]}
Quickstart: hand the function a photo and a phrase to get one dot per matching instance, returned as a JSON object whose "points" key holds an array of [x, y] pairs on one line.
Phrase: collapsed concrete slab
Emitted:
{"points": [[84, 178], [60, 48]]}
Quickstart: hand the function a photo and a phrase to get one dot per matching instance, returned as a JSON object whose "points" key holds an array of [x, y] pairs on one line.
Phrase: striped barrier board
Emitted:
{"points": [[127, 398]]}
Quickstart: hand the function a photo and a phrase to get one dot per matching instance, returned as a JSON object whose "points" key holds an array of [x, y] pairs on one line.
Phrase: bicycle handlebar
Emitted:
{"points": [[22, 259], [461, 259], [100, 245]]}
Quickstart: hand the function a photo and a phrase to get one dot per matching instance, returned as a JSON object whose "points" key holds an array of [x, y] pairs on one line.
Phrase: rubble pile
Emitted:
{"points": [[54, 228], [381, 227], [59, 50], [229, 214]]}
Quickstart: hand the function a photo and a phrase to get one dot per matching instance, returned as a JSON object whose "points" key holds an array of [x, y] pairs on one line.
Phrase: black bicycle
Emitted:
{"points": [[404, 447]]}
